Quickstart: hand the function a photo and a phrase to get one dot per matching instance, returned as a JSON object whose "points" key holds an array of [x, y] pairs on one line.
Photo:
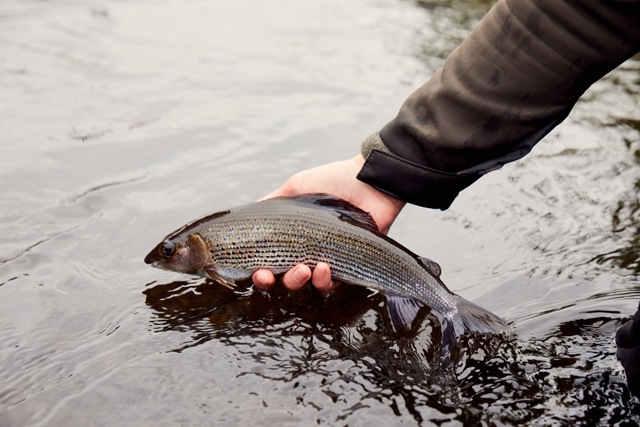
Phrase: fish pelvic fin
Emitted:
{"points": [[468, 317]]}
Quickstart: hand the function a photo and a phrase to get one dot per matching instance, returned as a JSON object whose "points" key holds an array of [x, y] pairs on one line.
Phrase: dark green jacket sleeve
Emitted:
{"points": [[515, 77]]}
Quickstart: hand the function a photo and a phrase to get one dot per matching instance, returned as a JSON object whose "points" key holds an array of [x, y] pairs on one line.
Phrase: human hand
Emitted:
{"points": [[628, 342], [338, 179], [297, 277]]}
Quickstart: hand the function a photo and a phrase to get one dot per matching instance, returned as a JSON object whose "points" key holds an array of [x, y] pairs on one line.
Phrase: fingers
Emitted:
{"points": [[297, 277], [321, 278], [263, 280], [271, 195], [294, 279], [280, 191]]}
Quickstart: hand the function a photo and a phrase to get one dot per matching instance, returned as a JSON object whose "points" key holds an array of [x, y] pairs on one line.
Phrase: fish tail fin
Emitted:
{"points": [[468, 317], [472, 317]]}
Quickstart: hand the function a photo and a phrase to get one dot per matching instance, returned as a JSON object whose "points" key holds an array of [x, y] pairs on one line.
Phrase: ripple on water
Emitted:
{"points": [[133, 129], [336, 363]]}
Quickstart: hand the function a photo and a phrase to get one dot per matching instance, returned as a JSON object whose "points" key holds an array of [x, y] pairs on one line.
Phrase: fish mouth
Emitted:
{"points": [[151, 259]]}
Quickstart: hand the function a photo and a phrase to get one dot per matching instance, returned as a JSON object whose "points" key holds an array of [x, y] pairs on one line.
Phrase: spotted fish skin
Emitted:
{"points": [[277, 234]]}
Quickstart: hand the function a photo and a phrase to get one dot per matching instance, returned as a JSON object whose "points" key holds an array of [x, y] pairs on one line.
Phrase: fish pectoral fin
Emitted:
{"points": [[211, 272], [402, 311]]}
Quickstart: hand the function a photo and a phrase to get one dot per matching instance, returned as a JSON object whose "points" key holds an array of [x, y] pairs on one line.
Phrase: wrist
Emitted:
{"points": [[383, 202]]}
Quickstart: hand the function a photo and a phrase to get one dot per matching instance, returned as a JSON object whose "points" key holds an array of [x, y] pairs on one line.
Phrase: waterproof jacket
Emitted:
{"points": [[513, 79]]}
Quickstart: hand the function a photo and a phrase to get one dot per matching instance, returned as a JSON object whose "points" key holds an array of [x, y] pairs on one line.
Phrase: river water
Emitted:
{"points": [[121, 121]]}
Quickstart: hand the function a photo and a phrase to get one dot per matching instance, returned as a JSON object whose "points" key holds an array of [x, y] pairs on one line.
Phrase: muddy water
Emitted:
{"points": [[123, 120]]}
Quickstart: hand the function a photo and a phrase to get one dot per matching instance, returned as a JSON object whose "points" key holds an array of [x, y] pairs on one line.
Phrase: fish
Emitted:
{"points": [[278, 233]]}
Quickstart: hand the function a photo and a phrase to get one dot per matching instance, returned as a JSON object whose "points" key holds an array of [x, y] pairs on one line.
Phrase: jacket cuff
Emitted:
{"points": [[412, 183], [373, 142]]}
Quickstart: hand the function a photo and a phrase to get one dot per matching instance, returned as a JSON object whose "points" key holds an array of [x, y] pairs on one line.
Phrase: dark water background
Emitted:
{"points": [[123, 120]]}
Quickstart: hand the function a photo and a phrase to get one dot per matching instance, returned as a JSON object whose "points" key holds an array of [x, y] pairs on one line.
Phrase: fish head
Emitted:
{"points": [[183, 254]]}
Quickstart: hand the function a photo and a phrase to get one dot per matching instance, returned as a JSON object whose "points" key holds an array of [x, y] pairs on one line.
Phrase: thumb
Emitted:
{"points": [[275, 193]]}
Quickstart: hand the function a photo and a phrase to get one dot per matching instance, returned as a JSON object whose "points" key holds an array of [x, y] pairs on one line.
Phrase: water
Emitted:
{"points": [[124, 120]]}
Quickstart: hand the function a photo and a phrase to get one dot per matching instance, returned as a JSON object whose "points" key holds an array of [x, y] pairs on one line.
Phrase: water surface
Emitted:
{"points": [[124, 120]]}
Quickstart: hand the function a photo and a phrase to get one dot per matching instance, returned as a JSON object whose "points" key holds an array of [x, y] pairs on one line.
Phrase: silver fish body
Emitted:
{"points": [[279, 233]]}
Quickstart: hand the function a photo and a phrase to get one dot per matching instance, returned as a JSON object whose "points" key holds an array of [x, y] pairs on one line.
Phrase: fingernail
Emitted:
{"points": [[320, 274]]}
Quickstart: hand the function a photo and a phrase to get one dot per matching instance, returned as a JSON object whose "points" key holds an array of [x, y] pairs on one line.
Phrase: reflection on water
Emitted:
{"points": [[625, 218], [208, 309], [627, 256], [350, 328], [626, 222], [495, 379]]}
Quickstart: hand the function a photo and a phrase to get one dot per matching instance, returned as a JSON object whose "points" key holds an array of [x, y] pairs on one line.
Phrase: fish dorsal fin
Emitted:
{"points": [[343, 209], [432, 266], [402, 311]]}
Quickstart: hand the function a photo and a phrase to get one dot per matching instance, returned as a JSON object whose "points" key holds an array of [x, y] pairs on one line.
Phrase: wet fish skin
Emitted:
{"points": [[277, 234]]}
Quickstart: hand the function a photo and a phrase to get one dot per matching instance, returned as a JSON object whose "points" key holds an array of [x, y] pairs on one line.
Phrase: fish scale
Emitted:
{"points": [[277, 237], [279, 233]]}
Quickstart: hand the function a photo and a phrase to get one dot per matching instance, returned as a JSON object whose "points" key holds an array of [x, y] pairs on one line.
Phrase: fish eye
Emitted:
{"points": [[167, 249]]}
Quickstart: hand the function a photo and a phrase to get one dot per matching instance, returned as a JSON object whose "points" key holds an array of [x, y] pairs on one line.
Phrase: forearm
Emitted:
{"points": [[511, 81]]}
